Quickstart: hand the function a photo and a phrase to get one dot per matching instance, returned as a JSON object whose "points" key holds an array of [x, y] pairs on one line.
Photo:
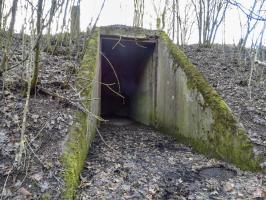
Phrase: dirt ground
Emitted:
{"points": [[47, 125], [133, 161]]}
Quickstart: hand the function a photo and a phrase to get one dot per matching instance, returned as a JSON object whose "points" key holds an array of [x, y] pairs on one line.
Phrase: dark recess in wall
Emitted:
{"points": [[128, 58]]}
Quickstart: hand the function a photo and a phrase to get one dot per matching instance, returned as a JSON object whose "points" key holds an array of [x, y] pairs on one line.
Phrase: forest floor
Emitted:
{"points": [[47, 125], [134, 161], [167, 169]]}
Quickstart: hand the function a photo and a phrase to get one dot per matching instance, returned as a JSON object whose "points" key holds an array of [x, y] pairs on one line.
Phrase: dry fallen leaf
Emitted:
{"points": [[23, 191]]}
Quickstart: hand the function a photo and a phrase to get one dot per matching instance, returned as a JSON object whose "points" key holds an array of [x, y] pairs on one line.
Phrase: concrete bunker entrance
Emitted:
{"points": [[124, 63]]}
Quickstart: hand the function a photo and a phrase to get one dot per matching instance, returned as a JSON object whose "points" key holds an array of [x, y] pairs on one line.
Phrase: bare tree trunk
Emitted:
{"points": [[173, 23], [204, 25], [52, 13], [75, 22], [10, 35], [198, 7], [37, 46], [163, 17], [160, 15], [209, 14], [138, 13], [200, 22], [251, 27], [261, 56], [207, 21], [28, 66], [1, 12], [177, 23], [217, 24]]}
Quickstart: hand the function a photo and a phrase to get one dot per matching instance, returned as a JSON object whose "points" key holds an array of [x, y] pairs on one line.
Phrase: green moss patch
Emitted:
{"points": [[226, 140], [80, 134]]}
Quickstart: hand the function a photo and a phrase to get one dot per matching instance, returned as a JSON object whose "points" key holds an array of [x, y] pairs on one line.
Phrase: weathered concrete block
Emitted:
{"points": [[83, 130], [202, 119]]}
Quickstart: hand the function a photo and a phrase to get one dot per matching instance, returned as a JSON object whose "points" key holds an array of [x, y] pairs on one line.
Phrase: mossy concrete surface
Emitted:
{"points": [[192, 111], [129, 32], [83, 130]]}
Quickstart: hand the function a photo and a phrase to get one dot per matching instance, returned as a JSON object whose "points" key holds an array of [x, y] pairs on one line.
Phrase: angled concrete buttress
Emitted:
{"points": [[141, 74]]}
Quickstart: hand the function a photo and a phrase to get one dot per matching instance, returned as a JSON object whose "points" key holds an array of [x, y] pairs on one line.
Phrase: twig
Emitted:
{"points": [[119, 88], [39, 132], [62, 98], [26, 173], [118, 42], [108, 85], [87, 111], [14, 66], [139, 45], [106, 143], [86, 99], [28, 144], [2, 194], [249, 13], [81, 108], [23, 126], [118, 94]]}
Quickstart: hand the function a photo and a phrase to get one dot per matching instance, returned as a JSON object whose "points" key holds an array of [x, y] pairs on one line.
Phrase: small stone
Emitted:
{"points": [[259, 193], [171, 160], [240, 195], [6, 192], [44, 186], [251, 108], [37, 176], [6, 93], [60, 119], [229, 187], [126, 187], [214, 193], [263, 165], [16, 119], [35, 117], [18, 184], [191, 197]]}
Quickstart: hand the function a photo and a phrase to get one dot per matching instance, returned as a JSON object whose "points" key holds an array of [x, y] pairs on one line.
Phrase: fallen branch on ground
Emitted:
{"points": [[106, 143], [78, 106], [14, 66], [62, 98]]}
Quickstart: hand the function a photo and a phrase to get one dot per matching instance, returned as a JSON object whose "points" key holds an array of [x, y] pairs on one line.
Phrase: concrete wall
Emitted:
{"points": [[143, 103], [192, 111], [178, 107], [82, 132]]}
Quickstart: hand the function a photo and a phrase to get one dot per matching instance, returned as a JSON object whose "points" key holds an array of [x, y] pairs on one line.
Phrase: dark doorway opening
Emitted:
{"points": [[124, 59]]}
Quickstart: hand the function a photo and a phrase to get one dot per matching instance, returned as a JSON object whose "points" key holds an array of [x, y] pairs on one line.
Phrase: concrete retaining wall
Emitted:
{"points": [[192, 111], [143, 106], [82, 132]]}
